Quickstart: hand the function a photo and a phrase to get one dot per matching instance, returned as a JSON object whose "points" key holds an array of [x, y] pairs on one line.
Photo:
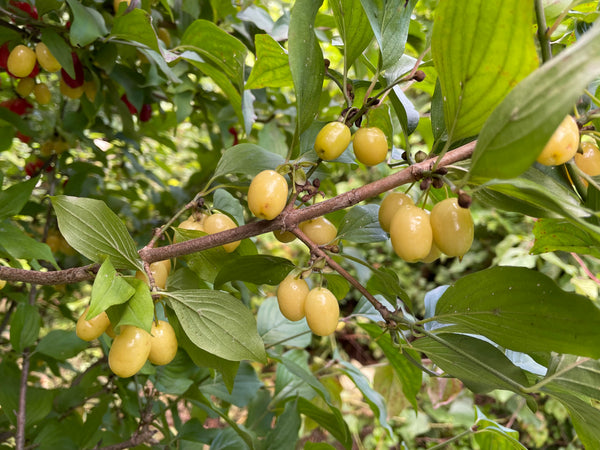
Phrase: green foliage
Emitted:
{"points": [[180, 105]]}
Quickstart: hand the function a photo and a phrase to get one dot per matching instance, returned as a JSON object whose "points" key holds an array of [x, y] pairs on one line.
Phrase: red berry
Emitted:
{"points": [[234, 133], [79, 76], [19, 106], [23, 138], [34, 71], [4, 52], [29, 169], [26, 7], [146, 112], [132, 109]]}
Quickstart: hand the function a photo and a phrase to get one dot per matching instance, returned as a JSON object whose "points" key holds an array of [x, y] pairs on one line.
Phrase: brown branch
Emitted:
{"points": [[22, 413], [289, 219]]}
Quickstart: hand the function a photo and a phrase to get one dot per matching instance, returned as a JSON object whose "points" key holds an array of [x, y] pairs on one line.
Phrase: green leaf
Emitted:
{"points": [[331, 421], [135, 26], [96, 232], [257, 269], [285, 432], [482, 62], [553, 235], [227, 203], [218, 48], [337, 284], [276, 329], [410, 376], [522, 310], [16, 120], [534, 192], [61, 345], [373, 398], [385, 281], [244, 388], [584, 416], [518, 129], [8, 34], [491, 435], [577, 377], [304, 374], [479, 371], [109, 289], [20, 246], [390, 22], [207, 263], [361, 225], [272, 67], [354, 27], [247, 159], [306, 61], [202, 358], [137, 311], [24, 327], [218, 323], [88, 25], [14, 198], [59, 49]]}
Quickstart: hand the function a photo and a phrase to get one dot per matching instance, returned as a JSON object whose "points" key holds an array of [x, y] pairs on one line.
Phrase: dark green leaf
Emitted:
{"points": [[361, 225], [24, 327], [16, 120], [227, 203], [276, 329], [20, 246], [88, 24], [59, 49], [474, 362], [247, 159], [354, 27], [135, 26], [304, 374], [518, 129], [389, 21], [96, 232], [284, 435], [410, 375], [61, 345], [482, 62], [559, 235], [245, 386], [109, 289], [272, 67], [338, 285], [306, 61], [218, 323], [331, 421], [385, 282], [14, 198], [522, 310], [257, 269]]}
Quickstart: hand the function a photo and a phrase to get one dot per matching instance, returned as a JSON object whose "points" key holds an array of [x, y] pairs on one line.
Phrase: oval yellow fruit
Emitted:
{"points": [[452, 227], [411, 233], [163, 343], [88, 330], [332, 140], [370, 145], [21, 61], [46, 59], [390, 205], [291, 295], [589, 160], [563, 144], [129, 351], [267, 195], [322, 311], [320, 230], [220, 222]]}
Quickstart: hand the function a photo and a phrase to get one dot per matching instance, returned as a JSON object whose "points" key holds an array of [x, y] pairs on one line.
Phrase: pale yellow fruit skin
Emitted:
{"points": [[163, 343], [453, 227], [320, 230], [291, 296], [42, 94], [332, 140], [434, 254], [88, 330], [21, 61], [25, 86], [46, 59], [322, 311], [116, 4], [370, 145], [68, 91], [589, 160], [159, 272], [2, 284], [411, 233], [563, 144], [129, 351], [390, 205], [267, 195], [220, 222]]}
